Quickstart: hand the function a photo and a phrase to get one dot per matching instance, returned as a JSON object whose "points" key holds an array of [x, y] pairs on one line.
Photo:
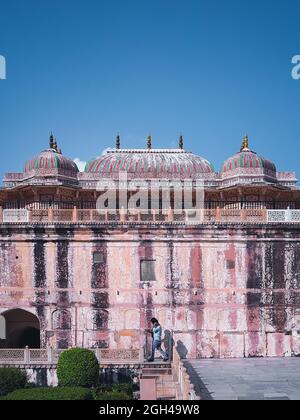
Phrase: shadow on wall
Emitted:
{"points": [[182, 350], [168, 343]]}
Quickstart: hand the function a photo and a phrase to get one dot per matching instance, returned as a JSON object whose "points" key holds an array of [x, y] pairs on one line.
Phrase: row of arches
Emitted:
{"points": [[20, 328]]}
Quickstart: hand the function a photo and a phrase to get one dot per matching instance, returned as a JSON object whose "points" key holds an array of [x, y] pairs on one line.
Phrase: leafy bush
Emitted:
{"points": [[11, 379], [59, 393], [78, 367]]}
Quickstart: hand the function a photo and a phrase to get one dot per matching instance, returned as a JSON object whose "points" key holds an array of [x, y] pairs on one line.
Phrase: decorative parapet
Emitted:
{"points": [[250, 172], [287, 179], [47, 177], [283, 216], [49, 172], [90, 180], [206, 216], [180, 374], [19, 176], [291, 176], [50, 356]]}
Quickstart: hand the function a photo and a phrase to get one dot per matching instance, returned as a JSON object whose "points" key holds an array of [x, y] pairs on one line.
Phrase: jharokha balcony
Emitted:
{"points": [[205, 216]]}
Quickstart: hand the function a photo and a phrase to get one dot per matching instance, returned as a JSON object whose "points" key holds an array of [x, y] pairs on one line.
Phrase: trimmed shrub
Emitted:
{"points": [[40, 394], [11, 379], [78, 367]]}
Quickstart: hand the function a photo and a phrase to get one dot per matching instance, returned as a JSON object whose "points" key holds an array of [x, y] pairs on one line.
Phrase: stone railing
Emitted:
{"points": [[181, 376], [283, 216], [218, 215], [50, 356]]}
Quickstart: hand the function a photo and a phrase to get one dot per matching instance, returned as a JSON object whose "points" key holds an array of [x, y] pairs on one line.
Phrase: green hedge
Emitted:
{"points": [[78, 367], [124, 388], [11, 379], [121, 391], [112, 395], [40, 394]]}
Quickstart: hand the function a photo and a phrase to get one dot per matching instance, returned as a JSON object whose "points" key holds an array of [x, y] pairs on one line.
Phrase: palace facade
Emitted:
{"points": [[72, 274]]}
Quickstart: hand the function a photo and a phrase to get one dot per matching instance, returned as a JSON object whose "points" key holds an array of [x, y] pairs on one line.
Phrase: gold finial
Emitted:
{"points": [[118, 142], [245, 144], [149, 143], [181, 142], [55, 145], [51, 142]]}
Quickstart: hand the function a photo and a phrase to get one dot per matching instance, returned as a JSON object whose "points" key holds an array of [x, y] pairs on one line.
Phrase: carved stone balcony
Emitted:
{"points": [[217, 215]]}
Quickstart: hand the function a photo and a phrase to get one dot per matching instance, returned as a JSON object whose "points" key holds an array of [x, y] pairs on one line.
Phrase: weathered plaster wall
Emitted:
{"points": [[222, 291]]}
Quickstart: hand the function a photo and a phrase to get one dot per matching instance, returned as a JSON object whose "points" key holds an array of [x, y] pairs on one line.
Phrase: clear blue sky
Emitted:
{"points": [[214, 70]]}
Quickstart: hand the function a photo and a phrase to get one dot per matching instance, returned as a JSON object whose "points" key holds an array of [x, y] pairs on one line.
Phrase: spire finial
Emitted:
{"points": [[51, 142], [149, 143], [55, 145], [118, 142], [181, 145], [245, 144]]}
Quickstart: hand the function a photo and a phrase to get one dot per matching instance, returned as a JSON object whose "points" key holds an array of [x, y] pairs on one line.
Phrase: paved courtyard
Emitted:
{"points": [[246, 379]]}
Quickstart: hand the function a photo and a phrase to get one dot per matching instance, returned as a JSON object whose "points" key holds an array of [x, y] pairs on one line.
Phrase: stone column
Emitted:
{"points": [[98, 354], [122, 215], [171, 215], [50, 355], [50, 214], [75, 216], [142, 355], [264, 214], [26, 355], [243, 215]]}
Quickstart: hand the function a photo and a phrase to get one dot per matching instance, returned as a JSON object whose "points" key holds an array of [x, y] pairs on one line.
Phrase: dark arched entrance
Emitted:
{"points": [[28, 337], [22, 329]]}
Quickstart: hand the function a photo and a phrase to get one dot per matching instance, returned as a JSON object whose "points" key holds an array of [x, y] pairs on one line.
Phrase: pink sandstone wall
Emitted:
{"points": [[222, 291]]}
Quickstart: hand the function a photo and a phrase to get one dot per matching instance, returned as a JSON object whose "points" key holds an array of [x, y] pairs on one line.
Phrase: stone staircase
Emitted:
{"points": [[166, 386]]}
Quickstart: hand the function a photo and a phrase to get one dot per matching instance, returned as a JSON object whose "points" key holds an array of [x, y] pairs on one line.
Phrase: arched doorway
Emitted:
{"points": [[22, 329]]}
